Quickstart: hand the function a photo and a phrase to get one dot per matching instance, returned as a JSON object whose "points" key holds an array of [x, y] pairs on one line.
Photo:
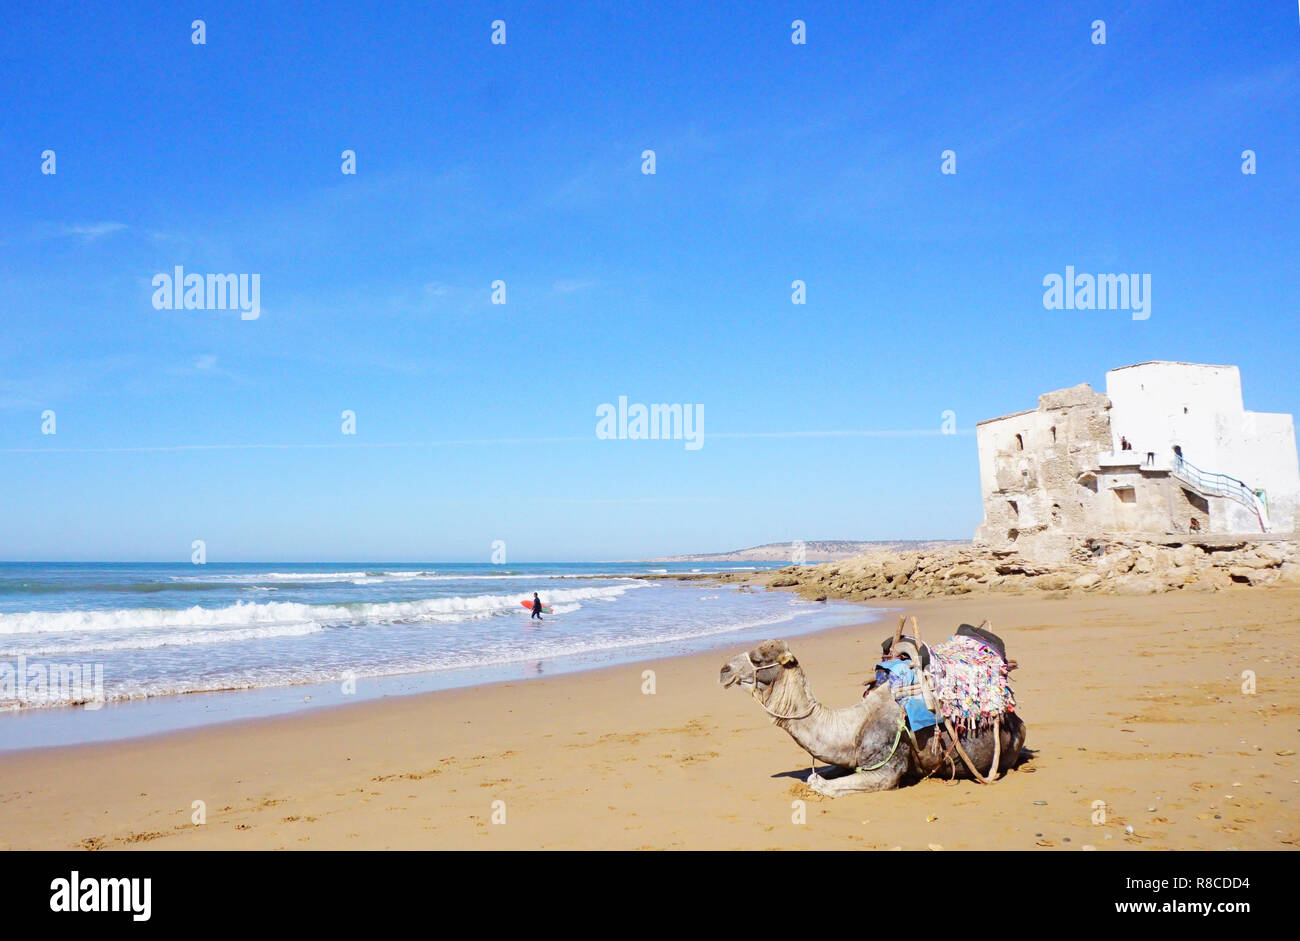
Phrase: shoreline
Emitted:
{"points": [[73, 725], [1131, 701], [325, 711]]}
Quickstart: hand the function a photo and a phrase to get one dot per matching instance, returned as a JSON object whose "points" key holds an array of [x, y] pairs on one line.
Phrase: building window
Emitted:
{"points": [[1020, 443], [1126, 494], [1015, 507], [1053, 434]]}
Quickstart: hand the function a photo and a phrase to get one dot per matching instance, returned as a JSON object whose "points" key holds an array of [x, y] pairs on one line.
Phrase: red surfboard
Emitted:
{"points": [[546, 608]]}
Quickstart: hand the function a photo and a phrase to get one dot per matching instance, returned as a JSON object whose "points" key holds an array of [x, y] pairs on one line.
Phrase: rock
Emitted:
{"points": [[1138, 585], [1271, 553], [1165, 558], [896, 570], [1126, 566], [1049, 582], [1210, 579], [1115, 563], [1289, 572]]}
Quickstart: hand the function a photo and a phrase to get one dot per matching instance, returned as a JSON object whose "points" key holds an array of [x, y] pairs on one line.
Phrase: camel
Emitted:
{"points": [[868, 742]]}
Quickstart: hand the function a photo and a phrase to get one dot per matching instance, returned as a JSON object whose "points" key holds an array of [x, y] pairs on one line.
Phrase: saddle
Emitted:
{"points": [[961, 681], [923, 650], [960, 685]]}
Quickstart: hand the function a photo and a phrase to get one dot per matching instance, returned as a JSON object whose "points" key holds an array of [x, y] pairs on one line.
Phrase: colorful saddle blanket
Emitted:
{"points": [[969, 679]]}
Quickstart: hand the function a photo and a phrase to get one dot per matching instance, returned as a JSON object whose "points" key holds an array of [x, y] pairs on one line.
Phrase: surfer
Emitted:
{"points": [[537, 607]]}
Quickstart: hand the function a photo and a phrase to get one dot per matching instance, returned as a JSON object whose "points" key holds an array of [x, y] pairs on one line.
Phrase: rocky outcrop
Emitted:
{"points": [[1116, 566]]}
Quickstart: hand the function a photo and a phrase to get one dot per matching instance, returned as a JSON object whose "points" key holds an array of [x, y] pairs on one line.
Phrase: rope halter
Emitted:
{"points": [[781, 663]]}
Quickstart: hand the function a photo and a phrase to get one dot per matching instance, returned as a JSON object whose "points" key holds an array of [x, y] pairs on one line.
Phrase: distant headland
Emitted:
{"points": [[817, 550]]}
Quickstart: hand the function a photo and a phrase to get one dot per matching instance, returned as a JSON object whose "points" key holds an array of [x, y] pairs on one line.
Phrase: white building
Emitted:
{"points": [[1196, 463]]}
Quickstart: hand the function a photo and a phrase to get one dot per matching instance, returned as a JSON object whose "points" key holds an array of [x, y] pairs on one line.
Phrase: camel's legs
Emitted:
{"points": [[854, 782]]}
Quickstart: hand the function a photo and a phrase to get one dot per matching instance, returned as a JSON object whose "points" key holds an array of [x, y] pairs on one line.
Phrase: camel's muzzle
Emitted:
{"points": [[734, 672]]}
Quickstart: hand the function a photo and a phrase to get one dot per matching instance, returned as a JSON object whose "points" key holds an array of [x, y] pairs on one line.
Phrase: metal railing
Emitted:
{"points": [[1221, 485]]}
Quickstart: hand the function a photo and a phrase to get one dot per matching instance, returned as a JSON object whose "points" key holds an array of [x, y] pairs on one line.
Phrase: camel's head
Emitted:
{"points": [[758, 668]]}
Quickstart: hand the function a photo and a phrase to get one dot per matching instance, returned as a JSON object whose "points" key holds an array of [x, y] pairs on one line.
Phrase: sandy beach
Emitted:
{"points": [[1133, 701]]}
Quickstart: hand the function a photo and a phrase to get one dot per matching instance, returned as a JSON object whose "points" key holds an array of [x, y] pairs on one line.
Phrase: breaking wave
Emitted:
{"points": [[252, 614]]}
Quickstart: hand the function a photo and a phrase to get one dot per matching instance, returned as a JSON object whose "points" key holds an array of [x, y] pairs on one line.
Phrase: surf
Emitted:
{"points": [[251, 613]]}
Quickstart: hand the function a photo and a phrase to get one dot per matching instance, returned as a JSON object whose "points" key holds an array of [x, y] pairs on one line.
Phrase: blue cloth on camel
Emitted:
{"points": [[903, 673]]}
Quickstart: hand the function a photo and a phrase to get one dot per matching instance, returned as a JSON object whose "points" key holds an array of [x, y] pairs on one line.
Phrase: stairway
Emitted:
{"points": [[1221, 485]]}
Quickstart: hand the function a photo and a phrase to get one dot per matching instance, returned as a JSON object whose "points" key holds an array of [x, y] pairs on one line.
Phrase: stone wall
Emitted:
{"points": [[1034, 494]]}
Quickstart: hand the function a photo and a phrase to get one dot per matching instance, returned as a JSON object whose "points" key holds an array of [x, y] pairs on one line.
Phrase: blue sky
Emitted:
{"points": [[522, 162]]}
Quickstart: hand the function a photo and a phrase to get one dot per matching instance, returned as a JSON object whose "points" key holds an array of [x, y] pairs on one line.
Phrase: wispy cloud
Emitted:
{"points": [[572, 286], [90, 231], [206, 364], [82, 231]]}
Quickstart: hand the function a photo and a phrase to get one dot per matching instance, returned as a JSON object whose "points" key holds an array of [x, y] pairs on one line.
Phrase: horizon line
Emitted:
{"points": [[452, 442]]}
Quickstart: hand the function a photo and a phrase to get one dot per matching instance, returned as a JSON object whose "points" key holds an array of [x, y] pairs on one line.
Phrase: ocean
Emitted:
{"points": [[90, 652]]}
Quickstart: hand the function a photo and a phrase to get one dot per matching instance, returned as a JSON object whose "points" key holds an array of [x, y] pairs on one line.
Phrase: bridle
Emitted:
{"points": [[754, 691]]}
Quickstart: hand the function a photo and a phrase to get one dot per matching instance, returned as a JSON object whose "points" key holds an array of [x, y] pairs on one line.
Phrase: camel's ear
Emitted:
{"points": [[787, 660]]}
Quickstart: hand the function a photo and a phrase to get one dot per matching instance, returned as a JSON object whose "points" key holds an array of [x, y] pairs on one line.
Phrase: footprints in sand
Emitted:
{"points": [[691, 757], [105, 842], [407, 776], [693, 728], [252, 804]]}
